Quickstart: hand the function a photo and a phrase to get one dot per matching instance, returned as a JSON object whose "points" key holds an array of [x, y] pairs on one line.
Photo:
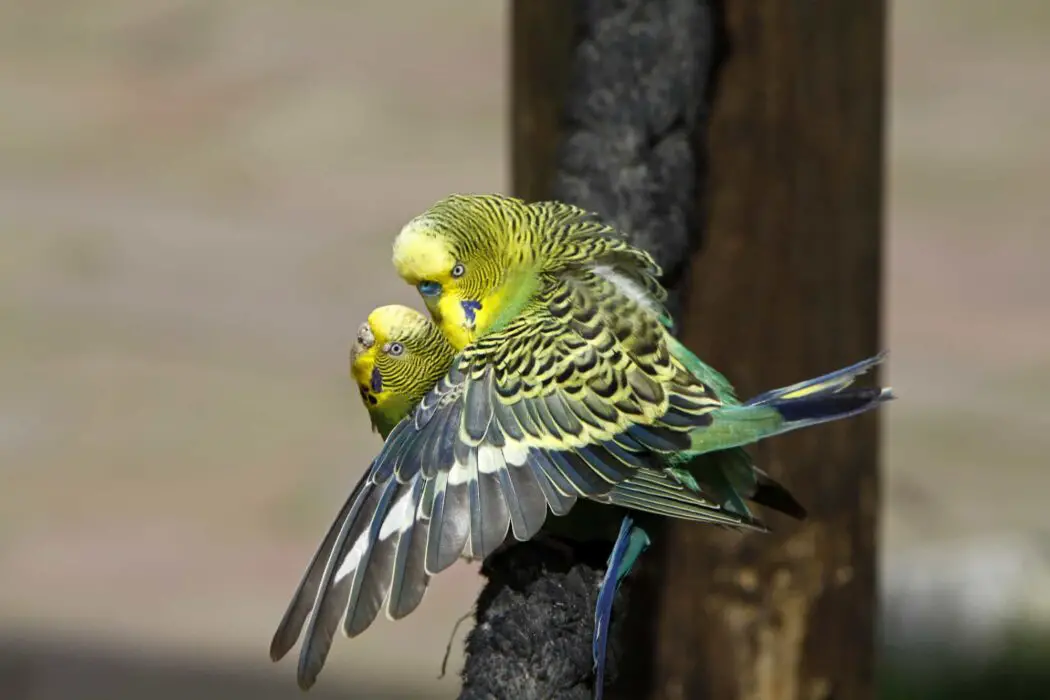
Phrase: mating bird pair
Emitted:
{"points": [[546, 373]]}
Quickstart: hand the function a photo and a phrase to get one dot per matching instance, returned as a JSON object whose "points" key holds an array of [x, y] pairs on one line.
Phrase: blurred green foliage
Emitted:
{"points": [[1021, 671]]}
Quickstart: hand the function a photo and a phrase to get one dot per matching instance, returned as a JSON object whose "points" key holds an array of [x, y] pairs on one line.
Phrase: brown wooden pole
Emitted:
{"points": [[541, 36], [786, 285]]}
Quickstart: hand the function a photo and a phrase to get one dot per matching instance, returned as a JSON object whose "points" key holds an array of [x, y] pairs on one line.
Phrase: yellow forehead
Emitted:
{"points": [[420, 254], [394, 322]]}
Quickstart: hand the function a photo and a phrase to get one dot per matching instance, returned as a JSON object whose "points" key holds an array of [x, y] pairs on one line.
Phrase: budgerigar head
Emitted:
{"points": [[397, 357], [462, 255]]}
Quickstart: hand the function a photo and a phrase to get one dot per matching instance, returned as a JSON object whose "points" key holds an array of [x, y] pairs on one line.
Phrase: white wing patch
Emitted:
{"points": [[515, 454], [490, 459], [462, 473], [487, 460], [402, 515], [398, 519], [353, 558]]}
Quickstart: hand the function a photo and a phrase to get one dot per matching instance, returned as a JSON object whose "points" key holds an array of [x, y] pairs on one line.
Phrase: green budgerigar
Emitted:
{"points": [[565, 383]]}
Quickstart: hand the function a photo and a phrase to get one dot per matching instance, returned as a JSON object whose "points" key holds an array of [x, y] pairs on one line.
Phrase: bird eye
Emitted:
{"points": [[428, 288], [458, 270], [395, 349]]}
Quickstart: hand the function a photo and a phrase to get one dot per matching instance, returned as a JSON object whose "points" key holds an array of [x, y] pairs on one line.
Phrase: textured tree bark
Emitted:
{"points": [[786, 285], [606, 96]]}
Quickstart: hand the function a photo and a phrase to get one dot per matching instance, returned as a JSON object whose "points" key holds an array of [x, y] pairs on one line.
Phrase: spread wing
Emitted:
{"points": [[570, 399]]}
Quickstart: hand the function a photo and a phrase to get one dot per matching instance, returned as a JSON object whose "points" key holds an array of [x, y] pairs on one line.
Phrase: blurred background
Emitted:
{"points": [[197, 199]]}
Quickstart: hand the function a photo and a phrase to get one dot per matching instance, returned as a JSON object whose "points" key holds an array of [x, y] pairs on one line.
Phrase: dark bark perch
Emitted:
{"points": [[606, 98], [786, 286]]}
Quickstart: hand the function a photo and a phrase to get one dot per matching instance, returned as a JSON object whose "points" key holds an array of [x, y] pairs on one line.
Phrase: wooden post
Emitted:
{"points": [[786, 285], [541, 34]]}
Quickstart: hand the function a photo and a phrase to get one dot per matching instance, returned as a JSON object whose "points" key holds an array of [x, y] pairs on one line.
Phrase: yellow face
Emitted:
{"points": [[392, 363], [462, 296]]}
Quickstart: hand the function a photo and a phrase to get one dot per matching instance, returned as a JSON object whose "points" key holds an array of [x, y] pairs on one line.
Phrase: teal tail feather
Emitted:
{"points": [[826, 398], [805, 411], [830, 383]]}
